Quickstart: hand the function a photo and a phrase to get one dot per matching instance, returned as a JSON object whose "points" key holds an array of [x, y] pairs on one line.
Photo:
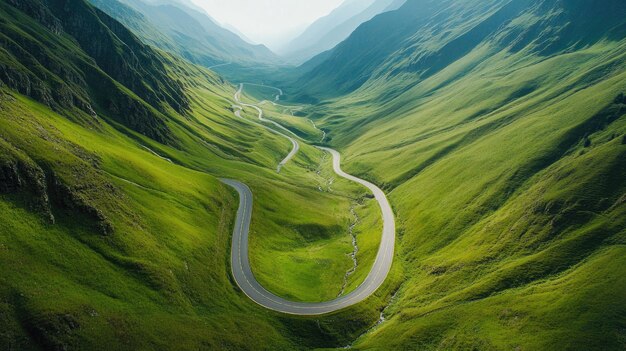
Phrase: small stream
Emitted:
{"points": [[353, 253], [323, 131], [380, 321]]}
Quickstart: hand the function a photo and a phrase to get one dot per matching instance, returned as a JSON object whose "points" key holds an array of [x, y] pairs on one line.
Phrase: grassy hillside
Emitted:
{"points": [[423, 37], [497, 128], [537, 200], [501, 139], [114, 228], [57, 63]]}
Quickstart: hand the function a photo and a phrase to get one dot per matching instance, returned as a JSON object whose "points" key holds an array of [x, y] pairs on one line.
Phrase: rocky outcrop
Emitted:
{"points": [[43, 192], [119, 53], [38, 12], [21, 177], [68, 199], [75, 56], [56, 94]]}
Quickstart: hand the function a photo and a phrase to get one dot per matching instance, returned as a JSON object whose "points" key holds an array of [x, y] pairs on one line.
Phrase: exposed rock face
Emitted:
{"points": [[68, 199], [43, 192], [119, 53], [88, 58], [56, 94], [39, 13], [28, 180]]}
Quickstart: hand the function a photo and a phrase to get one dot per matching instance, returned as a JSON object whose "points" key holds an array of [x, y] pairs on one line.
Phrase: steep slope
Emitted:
{"points": [[328, 31], [42, 72], [114, 227], [185, 31], [187, 3], [239, 33], [499, 130], [416, 41]]}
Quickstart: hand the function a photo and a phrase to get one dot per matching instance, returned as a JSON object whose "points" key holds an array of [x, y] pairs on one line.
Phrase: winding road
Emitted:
{"points": [[220, 65], [294, 142], [276, 98], [240, 262]]}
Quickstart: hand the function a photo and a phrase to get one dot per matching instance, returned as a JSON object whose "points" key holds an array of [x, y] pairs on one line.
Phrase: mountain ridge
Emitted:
{"points": [[187, 32], [498, 129], [138, 67], [328, 31]]}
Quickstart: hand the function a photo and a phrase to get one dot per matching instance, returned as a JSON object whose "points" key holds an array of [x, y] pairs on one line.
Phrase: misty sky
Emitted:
{"points": [[268, 21]]}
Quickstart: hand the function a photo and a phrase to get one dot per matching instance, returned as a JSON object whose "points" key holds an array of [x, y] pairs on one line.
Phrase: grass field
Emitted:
{"points": [[302, 252]]}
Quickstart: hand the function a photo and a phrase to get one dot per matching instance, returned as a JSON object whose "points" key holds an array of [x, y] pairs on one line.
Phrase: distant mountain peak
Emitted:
{"points": [[185, 29], [330, 30]]}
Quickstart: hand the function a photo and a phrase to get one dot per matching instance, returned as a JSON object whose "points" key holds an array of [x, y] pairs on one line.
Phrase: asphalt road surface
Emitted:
{"points": [[295, 145], [240, 262], [244, 277]]}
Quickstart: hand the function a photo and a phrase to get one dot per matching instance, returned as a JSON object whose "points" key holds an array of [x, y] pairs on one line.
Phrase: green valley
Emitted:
{"points": [[483, 205], [114, 227]]}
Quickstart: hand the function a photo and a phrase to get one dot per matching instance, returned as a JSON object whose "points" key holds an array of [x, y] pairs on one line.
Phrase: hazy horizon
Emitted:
{"points": [[269, 22]]}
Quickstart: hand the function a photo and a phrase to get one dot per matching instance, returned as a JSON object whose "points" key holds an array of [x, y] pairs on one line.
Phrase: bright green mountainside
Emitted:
{"points": [[424, 37], [499, 131], [330, 30], [114, 228]]}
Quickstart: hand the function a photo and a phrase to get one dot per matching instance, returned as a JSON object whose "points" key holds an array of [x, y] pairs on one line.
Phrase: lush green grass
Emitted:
{"points": [[143, 285], [503, 159], [530, 279], [302, 251], [289, 116], [508, 185], [159, 266], [138, 253], [261, 92]]}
